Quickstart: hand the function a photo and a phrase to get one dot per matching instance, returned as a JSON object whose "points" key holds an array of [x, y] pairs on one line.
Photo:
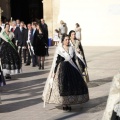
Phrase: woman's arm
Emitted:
{"points": [[59, 59], [77, 44]]}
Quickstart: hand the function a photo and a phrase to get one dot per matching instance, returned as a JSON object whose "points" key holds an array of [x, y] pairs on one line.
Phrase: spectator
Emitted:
{"points": [[56, 38]]}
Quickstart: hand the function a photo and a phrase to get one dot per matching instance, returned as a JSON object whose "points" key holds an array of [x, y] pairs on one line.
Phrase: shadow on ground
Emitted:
{"points": [[34, 88], [96, 83], [28, 93], [30, 74], [23, 85], [93, 106], [19, 105]]}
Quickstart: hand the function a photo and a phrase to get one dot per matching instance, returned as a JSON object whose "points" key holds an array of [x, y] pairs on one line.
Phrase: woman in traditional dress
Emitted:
{"points": [[81, 61], [65, 84], [112, 110], [10, 60], [40, 46]]}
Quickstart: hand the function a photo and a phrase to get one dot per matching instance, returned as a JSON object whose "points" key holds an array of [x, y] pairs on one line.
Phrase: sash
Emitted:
{"points": [[5, 37], [78, 54], [68, 56]]}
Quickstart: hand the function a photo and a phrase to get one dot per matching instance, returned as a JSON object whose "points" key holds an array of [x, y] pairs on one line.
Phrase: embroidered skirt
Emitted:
{"points": [[116, 112], [10, 60], [68, 86]]}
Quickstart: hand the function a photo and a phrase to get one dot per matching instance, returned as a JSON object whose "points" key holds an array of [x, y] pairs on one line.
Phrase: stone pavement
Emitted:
{"points": [[21, 98]]}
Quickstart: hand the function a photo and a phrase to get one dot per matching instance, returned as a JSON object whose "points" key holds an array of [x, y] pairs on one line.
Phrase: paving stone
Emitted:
{"points": [[21, 97]]}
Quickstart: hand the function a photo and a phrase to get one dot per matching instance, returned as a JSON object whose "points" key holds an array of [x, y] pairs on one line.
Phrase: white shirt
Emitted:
{"points": [[21, 29], [29, 34], [34, 31]]}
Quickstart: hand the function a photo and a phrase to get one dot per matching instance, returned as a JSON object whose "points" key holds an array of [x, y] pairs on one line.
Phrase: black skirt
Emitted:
{"points": [[2, 79], [114, 116], [81, 64], [40, 46], [40, 50], [10, 59], [71, 81]]}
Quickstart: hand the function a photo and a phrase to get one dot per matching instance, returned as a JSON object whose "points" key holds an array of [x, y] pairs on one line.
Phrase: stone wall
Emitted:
{"points": [[47, 13], [51, 14], [5, 5], [99, 20]]}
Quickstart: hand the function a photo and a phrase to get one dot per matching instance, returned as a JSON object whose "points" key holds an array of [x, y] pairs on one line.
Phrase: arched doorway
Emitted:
{"points": [[26, 10]]}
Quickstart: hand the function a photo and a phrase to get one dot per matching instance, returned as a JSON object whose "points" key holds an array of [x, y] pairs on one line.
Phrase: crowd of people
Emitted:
{"points": [[63, 29], [67, 81], [18, 41], [66, 84]]}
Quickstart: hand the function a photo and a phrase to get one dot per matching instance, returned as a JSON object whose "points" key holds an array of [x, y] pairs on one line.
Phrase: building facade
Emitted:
{"points": [[99, 19]]}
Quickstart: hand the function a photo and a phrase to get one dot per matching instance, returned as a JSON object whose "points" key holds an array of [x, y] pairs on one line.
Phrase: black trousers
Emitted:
{"points": [[34, 59], [24, 54]]}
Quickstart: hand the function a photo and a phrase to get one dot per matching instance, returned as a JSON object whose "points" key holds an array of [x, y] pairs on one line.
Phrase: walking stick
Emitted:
{"points": [[31, 50], [28, 43], [19, 47]]}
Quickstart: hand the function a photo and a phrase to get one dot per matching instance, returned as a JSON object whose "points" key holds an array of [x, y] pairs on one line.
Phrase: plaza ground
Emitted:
{"points": [[21, 98]]}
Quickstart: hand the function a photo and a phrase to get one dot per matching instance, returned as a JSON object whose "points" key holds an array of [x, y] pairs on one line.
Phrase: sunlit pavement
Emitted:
{"points": [[21, 98]]}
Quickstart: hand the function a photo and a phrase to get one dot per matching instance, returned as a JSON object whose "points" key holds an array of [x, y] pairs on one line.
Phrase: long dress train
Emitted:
{"points": [[113, 103]]}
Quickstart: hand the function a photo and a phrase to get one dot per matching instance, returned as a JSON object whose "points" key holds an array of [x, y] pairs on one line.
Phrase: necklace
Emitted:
{"points": [[66, 48]]}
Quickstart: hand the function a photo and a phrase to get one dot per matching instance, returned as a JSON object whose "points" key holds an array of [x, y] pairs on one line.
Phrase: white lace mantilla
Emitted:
{"points": [[117, 109], [113, 99]]}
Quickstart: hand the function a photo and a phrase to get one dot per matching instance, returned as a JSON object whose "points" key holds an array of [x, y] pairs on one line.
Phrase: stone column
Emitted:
{"points": [[48, 15], [5, 5], [51, 10], [56, 12], [0, 13]]}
